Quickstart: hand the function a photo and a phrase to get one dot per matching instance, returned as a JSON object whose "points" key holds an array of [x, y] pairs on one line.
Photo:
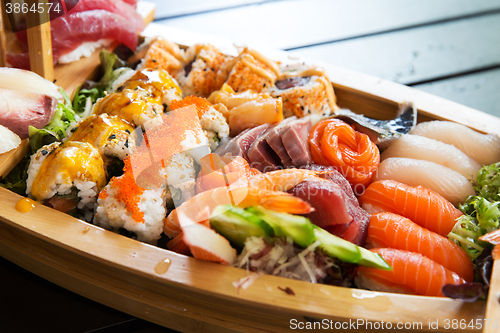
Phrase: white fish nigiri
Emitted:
{"points": [[27, 81], [450, 184], [422, 148], [484, 148], [8, 140], [19, 110]]}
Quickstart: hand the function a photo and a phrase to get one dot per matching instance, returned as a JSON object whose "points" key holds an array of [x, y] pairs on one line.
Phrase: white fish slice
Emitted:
{"points": [[19, 110], [422, 148], [450, 184], [8, 140], [484, 148], [27, 81]]}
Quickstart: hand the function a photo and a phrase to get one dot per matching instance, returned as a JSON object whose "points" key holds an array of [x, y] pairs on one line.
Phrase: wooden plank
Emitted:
{"points": [[290, 24], [39, 40], [419, 54], [479, 90], [172, 8], [3, 42], [121, 273]]}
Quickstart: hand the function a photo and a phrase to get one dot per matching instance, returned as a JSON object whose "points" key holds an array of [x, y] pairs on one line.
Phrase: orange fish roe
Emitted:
{"points": [[128, 191], [103, 195], [202, 105], [162, 142]]}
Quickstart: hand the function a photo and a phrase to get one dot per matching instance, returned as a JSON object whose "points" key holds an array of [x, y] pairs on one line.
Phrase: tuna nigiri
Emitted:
{"points": [[484, 148], [71, 30], [422, 148], [395, 231], [411, 273], [453, 186], [421, 205], [114, 6]]}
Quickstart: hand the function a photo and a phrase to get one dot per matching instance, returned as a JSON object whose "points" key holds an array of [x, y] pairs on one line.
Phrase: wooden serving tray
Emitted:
{"points": [[187, 294]]}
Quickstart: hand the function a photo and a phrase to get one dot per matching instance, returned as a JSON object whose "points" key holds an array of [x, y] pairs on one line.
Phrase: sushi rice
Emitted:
{"points": [[112, 214]]}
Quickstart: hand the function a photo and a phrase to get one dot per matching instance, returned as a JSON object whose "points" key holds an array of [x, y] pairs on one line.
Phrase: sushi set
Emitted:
{"points": [[194, 183]]}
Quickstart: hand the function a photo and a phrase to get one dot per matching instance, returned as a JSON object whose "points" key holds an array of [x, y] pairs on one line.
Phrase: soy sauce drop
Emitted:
{"points": [[162, 266]]}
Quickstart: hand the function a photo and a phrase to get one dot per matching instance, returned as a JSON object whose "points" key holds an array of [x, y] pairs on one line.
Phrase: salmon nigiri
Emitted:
{"points": [[421, 205], [395, 231], [411, 273]]}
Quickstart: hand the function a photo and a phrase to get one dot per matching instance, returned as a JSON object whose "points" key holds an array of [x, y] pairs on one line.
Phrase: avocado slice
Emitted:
{"points": [[298, 227], [372, 259], [337, 247], [236, 224]]}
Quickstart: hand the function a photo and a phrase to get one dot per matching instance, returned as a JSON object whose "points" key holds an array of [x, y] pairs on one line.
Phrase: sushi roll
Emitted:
{"points": [[160, 86], [180, 174], [246, 109], [212, 122], [125, 207], [132, 106], [112, 136], [161, 54], [253, 71], [205, 71], [304, 91], [66, 176]]}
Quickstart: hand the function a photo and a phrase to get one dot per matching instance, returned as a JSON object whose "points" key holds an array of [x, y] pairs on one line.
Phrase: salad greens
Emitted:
{"points": [[481, 212]]}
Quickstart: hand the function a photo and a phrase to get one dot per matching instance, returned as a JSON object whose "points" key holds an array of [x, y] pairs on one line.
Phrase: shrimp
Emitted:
{"points": [[241, 197], [283, 180], [203, 242]]}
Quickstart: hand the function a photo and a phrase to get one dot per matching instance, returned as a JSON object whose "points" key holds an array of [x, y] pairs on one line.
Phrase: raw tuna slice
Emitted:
{"points": [[132, 2], [73, 29], [239, 145], [295, 141], [274, 141], [19, 110], [356, 231], [114, 6], [330, 204], [335, 176], [262, 157]]}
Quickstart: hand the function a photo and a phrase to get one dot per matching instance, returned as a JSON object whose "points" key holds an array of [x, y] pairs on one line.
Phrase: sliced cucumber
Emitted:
{"points": [[337, 247], [236, 224], [298, 227]]}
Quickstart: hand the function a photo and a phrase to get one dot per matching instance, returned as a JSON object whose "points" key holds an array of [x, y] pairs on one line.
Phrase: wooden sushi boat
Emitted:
{"points": [[184, 293]]}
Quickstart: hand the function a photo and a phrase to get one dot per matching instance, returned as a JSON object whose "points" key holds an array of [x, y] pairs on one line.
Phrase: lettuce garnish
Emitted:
{"points": [[481, 212]]}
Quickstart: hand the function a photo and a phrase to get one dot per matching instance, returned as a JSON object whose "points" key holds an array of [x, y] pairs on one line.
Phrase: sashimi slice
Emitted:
{"points": [[484, 148], [423, 148], [119, 7], [71, 30], [411, 272], [453, 186], [421, 205], [8, 140], [27, 81], [328, 199], [19, 110], [397, 232]]}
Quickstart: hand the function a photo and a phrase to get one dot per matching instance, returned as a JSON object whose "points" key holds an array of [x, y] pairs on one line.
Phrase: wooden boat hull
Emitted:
{"points": [[187, 294]]}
